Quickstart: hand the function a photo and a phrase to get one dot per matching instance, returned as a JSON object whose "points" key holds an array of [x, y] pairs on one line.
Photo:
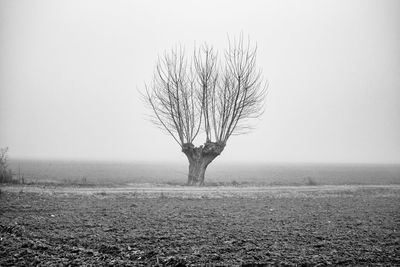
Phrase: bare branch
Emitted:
{"points": [[197, 94]]}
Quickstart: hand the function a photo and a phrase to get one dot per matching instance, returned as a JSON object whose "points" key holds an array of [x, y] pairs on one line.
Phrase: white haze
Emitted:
{"points": [[70, 72]]}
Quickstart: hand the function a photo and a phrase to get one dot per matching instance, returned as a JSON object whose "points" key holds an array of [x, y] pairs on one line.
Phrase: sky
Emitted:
{"points": [[71, 73]]}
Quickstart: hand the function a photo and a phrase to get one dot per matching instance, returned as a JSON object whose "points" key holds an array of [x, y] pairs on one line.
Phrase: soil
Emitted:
{"points": [[318, 227]]}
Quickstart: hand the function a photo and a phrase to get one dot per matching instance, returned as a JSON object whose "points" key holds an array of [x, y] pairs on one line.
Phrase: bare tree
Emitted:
{"points": [[5, 172], [200, 95]]}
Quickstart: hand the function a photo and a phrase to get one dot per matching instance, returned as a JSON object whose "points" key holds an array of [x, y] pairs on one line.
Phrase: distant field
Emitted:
{"points": [[217, 174]]}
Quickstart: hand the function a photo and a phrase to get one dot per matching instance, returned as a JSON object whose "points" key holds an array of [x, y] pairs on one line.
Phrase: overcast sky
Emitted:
{"points": [[70, 71]]}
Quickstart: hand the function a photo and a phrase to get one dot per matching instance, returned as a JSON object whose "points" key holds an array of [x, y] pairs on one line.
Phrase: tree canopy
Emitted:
{"points": [[206, 93]]}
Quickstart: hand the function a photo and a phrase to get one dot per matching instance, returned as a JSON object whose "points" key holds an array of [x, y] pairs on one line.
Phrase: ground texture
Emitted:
{"points": [[316, 227]]}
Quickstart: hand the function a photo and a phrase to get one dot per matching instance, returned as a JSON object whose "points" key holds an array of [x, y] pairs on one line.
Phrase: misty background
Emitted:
{"points": [[70, 72]]}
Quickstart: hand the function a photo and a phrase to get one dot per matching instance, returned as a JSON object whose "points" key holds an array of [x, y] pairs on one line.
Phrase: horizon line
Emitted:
{"points": [[159, 161]]}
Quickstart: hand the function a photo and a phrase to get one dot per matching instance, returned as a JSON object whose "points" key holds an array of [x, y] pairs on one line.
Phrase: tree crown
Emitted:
{"points": [[200, 94]]}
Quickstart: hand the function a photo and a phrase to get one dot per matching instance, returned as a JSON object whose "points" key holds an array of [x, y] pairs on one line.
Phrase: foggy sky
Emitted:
{"points": [[70, 72]]}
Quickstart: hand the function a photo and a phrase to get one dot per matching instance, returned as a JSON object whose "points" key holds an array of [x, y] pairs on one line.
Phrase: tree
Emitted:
{"points": [[5, 172], [199, 95]]}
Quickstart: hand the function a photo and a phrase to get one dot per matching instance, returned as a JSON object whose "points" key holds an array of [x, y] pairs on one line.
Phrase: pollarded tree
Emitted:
{"points": [[196, 95]]}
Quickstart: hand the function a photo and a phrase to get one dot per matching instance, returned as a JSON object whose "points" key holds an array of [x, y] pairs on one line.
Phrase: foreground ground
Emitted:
{"points": [[180, 226]]}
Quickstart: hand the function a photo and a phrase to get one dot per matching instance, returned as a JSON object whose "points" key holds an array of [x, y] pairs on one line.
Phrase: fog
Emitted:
{"points": [[71, 72]]}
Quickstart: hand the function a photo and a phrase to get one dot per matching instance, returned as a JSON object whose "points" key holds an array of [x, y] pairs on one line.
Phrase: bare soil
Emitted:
{"points": [[178, 226]]}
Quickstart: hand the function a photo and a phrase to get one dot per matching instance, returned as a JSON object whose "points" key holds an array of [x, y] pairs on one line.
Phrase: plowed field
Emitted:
{"points": [[178, 226]]}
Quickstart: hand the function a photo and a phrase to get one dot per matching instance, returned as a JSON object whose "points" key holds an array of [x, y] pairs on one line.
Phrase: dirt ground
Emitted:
{"points": [[178, 226]]}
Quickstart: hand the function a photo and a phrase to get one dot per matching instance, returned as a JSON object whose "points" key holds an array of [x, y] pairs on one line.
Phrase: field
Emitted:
{"points": [[218, 173], [178, 226]]}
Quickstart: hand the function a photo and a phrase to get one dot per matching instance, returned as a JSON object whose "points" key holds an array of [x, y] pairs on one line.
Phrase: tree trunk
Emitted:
{"points": [[199, 159]]}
